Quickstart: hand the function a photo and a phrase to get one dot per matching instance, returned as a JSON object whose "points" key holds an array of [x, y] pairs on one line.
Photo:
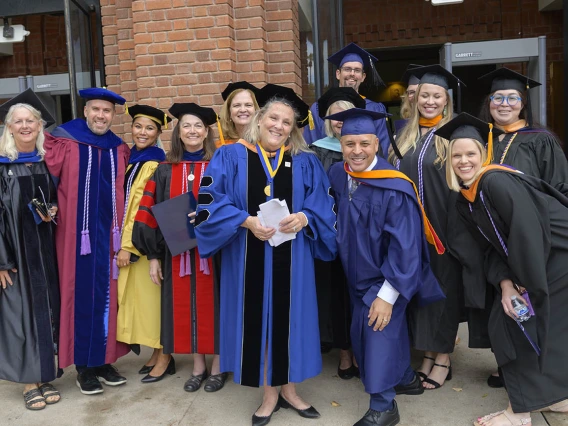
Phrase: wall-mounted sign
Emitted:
{"points": [[46, 86]]}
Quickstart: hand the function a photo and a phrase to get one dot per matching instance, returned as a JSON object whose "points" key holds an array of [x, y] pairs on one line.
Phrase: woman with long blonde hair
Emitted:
{"points": [[433, 327]]}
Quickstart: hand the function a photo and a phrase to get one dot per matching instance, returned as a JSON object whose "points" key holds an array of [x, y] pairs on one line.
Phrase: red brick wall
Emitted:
{"points": [[159, 52]]}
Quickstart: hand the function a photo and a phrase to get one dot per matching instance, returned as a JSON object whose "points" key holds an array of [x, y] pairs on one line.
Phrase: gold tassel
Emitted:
{"points": [[220, 131], [489, 158], [311, 120], [125, 108], [165, 121]]}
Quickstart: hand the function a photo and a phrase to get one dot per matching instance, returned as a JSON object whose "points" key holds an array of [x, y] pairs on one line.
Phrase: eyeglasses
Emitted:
{"points": [[511, 100], [352, 70], [29, 123]]}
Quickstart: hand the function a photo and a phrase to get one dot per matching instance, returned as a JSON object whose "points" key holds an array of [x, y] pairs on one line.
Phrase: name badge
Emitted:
{"points": [[287, 164]]}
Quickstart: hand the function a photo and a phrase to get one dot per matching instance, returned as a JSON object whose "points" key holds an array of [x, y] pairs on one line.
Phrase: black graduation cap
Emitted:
{"points": [[467, 126], [506, 79], [239, 85], [29, 97], [152, 113], [353, 53], [271, 91], [207, 115], [409, 76], [339, 94], [437, 75], [101, 93]]}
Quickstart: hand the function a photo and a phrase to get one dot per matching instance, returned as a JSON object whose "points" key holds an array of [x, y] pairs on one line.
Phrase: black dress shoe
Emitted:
{"points": [[264, 420], [145, 369], [380, 418], [215, 382], [308, 413], [413, 388], [170, 369], [348, 373], [194, 382]]}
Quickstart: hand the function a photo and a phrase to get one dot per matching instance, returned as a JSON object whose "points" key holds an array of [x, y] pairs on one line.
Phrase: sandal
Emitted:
{"points": [[32, 397], [194, 382], [435, 383], [424, 376], [490, 416], [215, 382], [48, 391], [512, 420]]}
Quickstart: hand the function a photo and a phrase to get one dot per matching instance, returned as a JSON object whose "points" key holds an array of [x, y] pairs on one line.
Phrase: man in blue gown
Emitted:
{"points": [[354, 65], [380, 235]]}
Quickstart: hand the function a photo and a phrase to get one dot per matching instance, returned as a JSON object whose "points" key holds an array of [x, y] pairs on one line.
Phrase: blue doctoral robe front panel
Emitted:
{"points": [[380, 236], [221, 211]]}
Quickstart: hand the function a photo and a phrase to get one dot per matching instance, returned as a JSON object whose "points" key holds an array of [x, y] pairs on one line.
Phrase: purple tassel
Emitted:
{"points": [[116, 239], [204, 266], [114, 269], [85, 243], [182, 265], [187, 263]]}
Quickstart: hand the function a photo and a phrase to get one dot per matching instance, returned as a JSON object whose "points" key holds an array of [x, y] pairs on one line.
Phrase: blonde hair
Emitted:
{"points": [[407, 139], [344, 105], [8, 144], [452, 179], [296, 140], [227, 125]]}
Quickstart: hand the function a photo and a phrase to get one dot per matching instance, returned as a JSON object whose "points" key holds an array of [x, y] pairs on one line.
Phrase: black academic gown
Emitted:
{"points": [[534, 152], [29, 309], [525, 223], [334, 307], [434, 327]]}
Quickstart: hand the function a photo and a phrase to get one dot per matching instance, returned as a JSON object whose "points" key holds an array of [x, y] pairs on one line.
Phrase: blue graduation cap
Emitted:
{"points": [[101, 93], [353, 53], [357, 121]]}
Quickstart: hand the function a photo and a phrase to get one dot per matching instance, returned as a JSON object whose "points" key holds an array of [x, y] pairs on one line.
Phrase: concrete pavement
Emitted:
{"points": [[457, 403]]}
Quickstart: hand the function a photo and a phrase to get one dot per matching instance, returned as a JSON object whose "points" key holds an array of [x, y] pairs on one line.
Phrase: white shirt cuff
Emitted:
{"points": [[388, 293]]}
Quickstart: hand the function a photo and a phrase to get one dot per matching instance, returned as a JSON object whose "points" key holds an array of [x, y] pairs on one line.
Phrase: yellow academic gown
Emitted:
{"points": [[138, 297]]}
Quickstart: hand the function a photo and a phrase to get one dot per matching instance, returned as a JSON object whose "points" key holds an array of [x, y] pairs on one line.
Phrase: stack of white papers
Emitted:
{"points": [[270, 215]]}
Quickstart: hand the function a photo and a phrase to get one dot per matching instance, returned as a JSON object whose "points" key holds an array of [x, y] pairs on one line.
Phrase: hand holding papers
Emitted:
{"points": [[270, 215]]}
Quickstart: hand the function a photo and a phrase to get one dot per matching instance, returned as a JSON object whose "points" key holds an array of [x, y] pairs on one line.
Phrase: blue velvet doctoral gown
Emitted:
{"points": [[223, 207], [380, 236]]}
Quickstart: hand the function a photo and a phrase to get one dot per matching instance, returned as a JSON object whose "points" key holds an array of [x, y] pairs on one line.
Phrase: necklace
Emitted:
{"points": [[507, 148]]}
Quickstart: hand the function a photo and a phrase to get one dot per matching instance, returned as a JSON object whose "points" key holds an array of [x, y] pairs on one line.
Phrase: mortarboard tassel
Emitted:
{"points": [[375, 77], [182, 265], [125, 108], [165, 121], [220, 131], [204, 266], [529, 107], [187, 263], [85, 243], [489, 158], [459, 101], [391, 139], [311, 120]]}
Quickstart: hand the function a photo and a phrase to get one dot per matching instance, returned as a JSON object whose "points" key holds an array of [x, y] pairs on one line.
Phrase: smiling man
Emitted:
{"points": [[354, 66], [89, 161], [381, 243]]}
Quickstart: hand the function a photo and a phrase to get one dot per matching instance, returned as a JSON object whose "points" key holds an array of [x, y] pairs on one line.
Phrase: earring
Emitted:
{"points": [[445, 111]]}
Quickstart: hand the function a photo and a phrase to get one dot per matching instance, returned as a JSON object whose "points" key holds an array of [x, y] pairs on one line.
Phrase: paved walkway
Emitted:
{"points": [[457, 403]]}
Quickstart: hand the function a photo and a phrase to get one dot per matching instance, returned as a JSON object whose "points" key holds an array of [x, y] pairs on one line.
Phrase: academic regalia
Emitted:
{"points": [[434, 327], [525, 222], [189, 291], [29, 309], [535, 152], [380, 237], [219, 143], [268, 295], [87, 238], [334, 306], [138, 296]]}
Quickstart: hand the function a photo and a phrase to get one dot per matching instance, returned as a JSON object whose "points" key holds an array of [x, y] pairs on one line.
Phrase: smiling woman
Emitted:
{"points": [[237, 111]]}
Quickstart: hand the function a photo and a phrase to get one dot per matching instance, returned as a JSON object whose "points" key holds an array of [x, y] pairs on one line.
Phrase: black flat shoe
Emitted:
{"points": [[145, 369], [380, 418], [264, 420], [170, 369], [413, 388], [215, 382], [495, 381], [348, 373], [308, 413], [194, 382]]}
